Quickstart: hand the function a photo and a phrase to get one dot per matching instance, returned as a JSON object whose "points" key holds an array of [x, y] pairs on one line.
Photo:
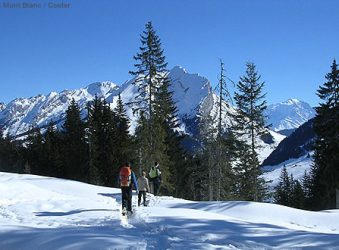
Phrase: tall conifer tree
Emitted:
{"points": [[53, 148], [154, 105], [251, 105], [75, 147], [123, 145], [325, 171]]}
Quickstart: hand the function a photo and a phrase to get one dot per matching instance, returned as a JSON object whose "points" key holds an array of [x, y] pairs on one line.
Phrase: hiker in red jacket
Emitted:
{"points": [[127, 180]]}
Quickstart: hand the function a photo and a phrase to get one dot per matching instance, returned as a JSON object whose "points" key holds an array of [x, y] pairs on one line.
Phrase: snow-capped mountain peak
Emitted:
{"points": [[292, 101], [189, 90], [178, 71], [289, 114], [101, 88]]}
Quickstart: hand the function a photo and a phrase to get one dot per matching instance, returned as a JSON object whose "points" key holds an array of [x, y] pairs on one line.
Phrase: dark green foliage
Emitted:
{"points": [[283, 190], [219, 146], [123, 147], [35, 154], [11, 159], [225, 143], [249, 102], [150, 69], [325, 172], [289, 192], [101, 135], [307, 184], [55, 153], [249, 185], [197, 178], [297, 195], [250, 125], [155, 137], [75, 147]]}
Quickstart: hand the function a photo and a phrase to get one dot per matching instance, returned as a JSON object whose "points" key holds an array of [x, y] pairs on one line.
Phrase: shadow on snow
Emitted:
{"points": [[164, 233]]}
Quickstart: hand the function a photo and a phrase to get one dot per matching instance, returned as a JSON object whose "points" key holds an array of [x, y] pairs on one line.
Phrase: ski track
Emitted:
{"points": [[48, 213]]}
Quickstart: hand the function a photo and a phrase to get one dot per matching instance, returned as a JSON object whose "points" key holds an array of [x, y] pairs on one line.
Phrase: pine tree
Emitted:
{"points": [[35, 155], [306, 184], [108, 140], [207, 158], [151, 67], [283, 190], [218, 146], [75, 147], [325, 171], [250, 124], [225, 141], [297, 195], [11, 158], [123, 146], [155, 107], [55, 155], [166, 113], [142, 140], [95, 134]]}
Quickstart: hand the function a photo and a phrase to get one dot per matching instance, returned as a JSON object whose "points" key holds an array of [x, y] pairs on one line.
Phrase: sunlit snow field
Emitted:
{"points": [[47, 213]]}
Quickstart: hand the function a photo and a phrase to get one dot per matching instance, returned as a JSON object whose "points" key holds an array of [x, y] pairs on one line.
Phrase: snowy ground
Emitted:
{"points": [[47, 213]]}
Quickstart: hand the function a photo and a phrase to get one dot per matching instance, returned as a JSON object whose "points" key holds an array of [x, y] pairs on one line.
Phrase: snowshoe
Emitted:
{"points": [[124, 211]]}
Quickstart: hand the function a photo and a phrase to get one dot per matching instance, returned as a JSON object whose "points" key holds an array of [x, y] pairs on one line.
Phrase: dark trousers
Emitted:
{"points": [[126, 198], [156, 185], [143, 194]]}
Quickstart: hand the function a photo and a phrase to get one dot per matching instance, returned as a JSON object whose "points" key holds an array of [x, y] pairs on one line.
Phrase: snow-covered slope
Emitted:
{"points": [[289, 114], [296, 167], [294, 152], [46, 213]]}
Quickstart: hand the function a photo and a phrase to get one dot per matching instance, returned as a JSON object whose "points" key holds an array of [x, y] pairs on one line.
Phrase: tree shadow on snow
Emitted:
{"points": [[77, 211], [211, 205], [166, 233], [116, 196]]}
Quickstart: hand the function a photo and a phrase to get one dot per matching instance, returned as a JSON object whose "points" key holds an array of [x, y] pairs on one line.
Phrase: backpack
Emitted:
{"points": [[125, 177], [153, 173]]}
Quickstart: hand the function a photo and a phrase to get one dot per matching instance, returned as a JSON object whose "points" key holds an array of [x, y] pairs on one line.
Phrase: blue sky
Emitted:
{"points": [[292, 42]]}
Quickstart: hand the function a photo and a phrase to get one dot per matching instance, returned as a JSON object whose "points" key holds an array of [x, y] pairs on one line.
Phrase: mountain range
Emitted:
{"points": [[192, 93]]}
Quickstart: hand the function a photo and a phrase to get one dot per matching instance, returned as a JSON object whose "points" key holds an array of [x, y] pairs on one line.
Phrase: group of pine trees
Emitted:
{"points": [[92, 147], [318, 189], [291, 192], [227, 166], [90, 150], [325, 171]]}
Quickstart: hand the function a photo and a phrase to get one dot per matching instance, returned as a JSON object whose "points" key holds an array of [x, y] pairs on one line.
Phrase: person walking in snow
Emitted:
{"points": [[155, 177], [127, 180], [143, 187]]}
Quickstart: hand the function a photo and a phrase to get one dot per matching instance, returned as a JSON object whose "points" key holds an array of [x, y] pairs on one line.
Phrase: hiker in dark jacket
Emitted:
{"points": [[143, 187], [127, 180]]}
